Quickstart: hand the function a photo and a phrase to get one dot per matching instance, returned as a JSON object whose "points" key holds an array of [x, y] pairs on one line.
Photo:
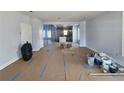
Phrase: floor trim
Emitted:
{"points": [[8, 63]]}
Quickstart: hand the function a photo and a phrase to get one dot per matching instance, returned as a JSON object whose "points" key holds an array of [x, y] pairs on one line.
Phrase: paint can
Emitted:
{"points": [[91, 61]]}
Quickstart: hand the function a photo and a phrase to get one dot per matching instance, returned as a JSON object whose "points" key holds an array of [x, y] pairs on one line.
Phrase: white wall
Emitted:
{"points": [[123, 34], [37, 34], [104, 33], [82, 33], [75, 34], [26, 33], [10, 38]]}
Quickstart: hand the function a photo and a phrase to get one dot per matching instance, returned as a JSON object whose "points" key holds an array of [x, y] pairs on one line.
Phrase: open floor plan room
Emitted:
{"points": [[61, 46]]}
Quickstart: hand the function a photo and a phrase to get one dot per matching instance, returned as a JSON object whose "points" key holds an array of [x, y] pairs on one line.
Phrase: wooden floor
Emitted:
{"points": [[54, 64]]}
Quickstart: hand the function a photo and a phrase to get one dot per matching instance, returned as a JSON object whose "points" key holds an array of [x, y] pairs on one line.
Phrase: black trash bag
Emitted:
{"points": [[26, 51]]}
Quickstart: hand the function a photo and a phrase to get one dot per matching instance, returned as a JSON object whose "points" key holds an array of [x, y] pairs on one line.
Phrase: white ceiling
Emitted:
{"points": [[64, 16]]}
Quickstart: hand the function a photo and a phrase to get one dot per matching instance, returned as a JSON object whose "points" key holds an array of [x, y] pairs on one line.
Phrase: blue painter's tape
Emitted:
{"points": [[18, 73], [43, 71], [65, 65], [30, 61]]}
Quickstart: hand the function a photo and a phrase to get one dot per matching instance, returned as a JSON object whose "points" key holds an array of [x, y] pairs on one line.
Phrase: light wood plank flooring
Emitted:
{"points": [[54, 64]]}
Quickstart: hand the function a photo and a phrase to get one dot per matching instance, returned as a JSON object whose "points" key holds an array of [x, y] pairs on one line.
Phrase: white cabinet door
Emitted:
{"points": [[26, 33]]}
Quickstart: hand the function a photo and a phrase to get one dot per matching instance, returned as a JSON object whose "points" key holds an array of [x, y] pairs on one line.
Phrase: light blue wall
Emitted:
{"points": [[104, 33], [82, 34]]}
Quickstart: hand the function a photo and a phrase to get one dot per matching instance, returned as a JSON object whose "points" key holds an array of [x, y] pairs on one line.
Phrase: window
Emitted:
{"points": [[43, 33], [65, 32], [49, 34]]}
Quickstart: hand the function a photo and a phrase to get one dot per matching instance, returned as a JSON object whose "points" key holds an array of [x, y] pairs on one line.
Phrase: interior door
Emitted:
{"points": [[26, 33]]}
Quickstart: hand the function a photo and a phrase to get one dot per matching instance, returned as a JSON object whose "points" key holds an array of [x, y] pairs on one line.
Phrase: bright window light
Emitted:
{"points": [[49, 34], [43, 33], [65, 32]]}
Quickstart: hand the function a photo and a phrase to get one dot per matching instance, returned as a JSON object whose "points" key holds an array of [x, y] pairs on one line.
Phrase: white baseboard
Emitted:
{"points": [[37, 49], [93, 49], [8, 63]]}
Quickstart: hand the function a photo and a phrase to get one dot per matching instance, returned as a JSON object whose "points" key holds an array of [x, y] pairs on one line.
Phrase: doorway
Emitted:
{"points": [[48, 34]]}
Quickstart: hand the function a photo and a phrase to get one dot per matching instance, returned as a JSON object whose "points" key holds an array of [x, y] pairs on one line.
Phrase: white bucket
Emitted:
{"points": [[91, 61]]}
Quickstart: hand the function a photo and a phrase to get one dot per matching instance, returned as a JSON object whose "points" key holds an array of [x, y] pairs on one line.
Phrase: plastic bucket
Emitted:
{"points": [[91, 61]]}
